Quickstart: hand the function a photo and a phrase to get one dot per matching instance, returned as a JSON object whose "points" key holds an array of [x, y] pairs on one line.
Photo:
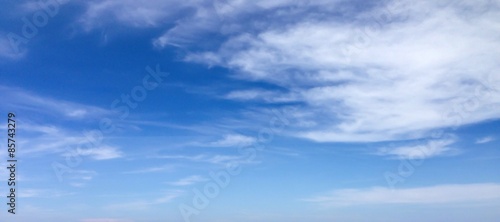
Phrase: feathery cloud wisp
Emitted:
{"points": [[452, 193]]}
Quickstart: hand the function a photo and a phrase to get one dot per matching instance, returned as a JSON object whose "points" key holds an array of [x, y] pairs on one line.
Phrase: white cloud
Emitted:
{"points": [[48, 139], [131, 13], [80, 178], [183, 20], [485, 140], [248, 94], [187, 181], [261, 95], [141, 204], [192, 19], [101, 153], [41, 140], [187, 31], [222, 17], [49, 144], [431, 148], [452, 193], [426, 67], [24, 100], [44, 129], [388, 72], [151, 170], [223, 159], [42, 193], [212, 159], [199, 157], [232, 140]]}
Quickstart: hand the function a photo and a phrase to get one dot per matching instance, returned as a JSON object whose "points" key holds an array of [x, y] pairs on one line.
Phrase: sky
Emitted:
{"points": [[263, 110]]}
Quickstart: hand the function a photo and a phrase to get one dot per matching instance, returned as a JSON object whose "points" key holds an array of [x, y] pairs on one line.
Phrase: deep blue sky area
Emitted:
{"points": [[215, 110]]}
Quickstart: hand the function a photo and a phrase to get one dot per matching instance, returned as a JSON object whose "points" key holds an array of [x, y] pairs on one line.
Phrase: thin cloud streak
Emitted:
{"points": [[485, 140], [162, 199], [187, 181], [441, 194], [431, 148], [152, 170], [25, 100]]}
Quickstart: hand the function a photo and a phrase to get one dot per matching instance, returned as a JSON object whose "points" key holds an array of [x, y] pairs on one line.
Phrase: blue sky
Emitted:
{"points": [[160, 110]]}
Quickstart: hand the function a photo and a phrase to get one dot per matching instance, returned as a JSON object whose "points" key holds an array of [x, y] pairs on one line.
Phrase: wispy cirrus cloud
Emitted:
{"points": [[333, 66], [232, 140], [101, 153], [485, 140], [185, 22], [440, 194], [216, 159], [365, 79], [42, 193], [431, 148], [262, 95], [151, 169], [187, 181], [21, 99], [80, 178], [131, 13], [49, 139], [164, 198], [43, 145]]}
